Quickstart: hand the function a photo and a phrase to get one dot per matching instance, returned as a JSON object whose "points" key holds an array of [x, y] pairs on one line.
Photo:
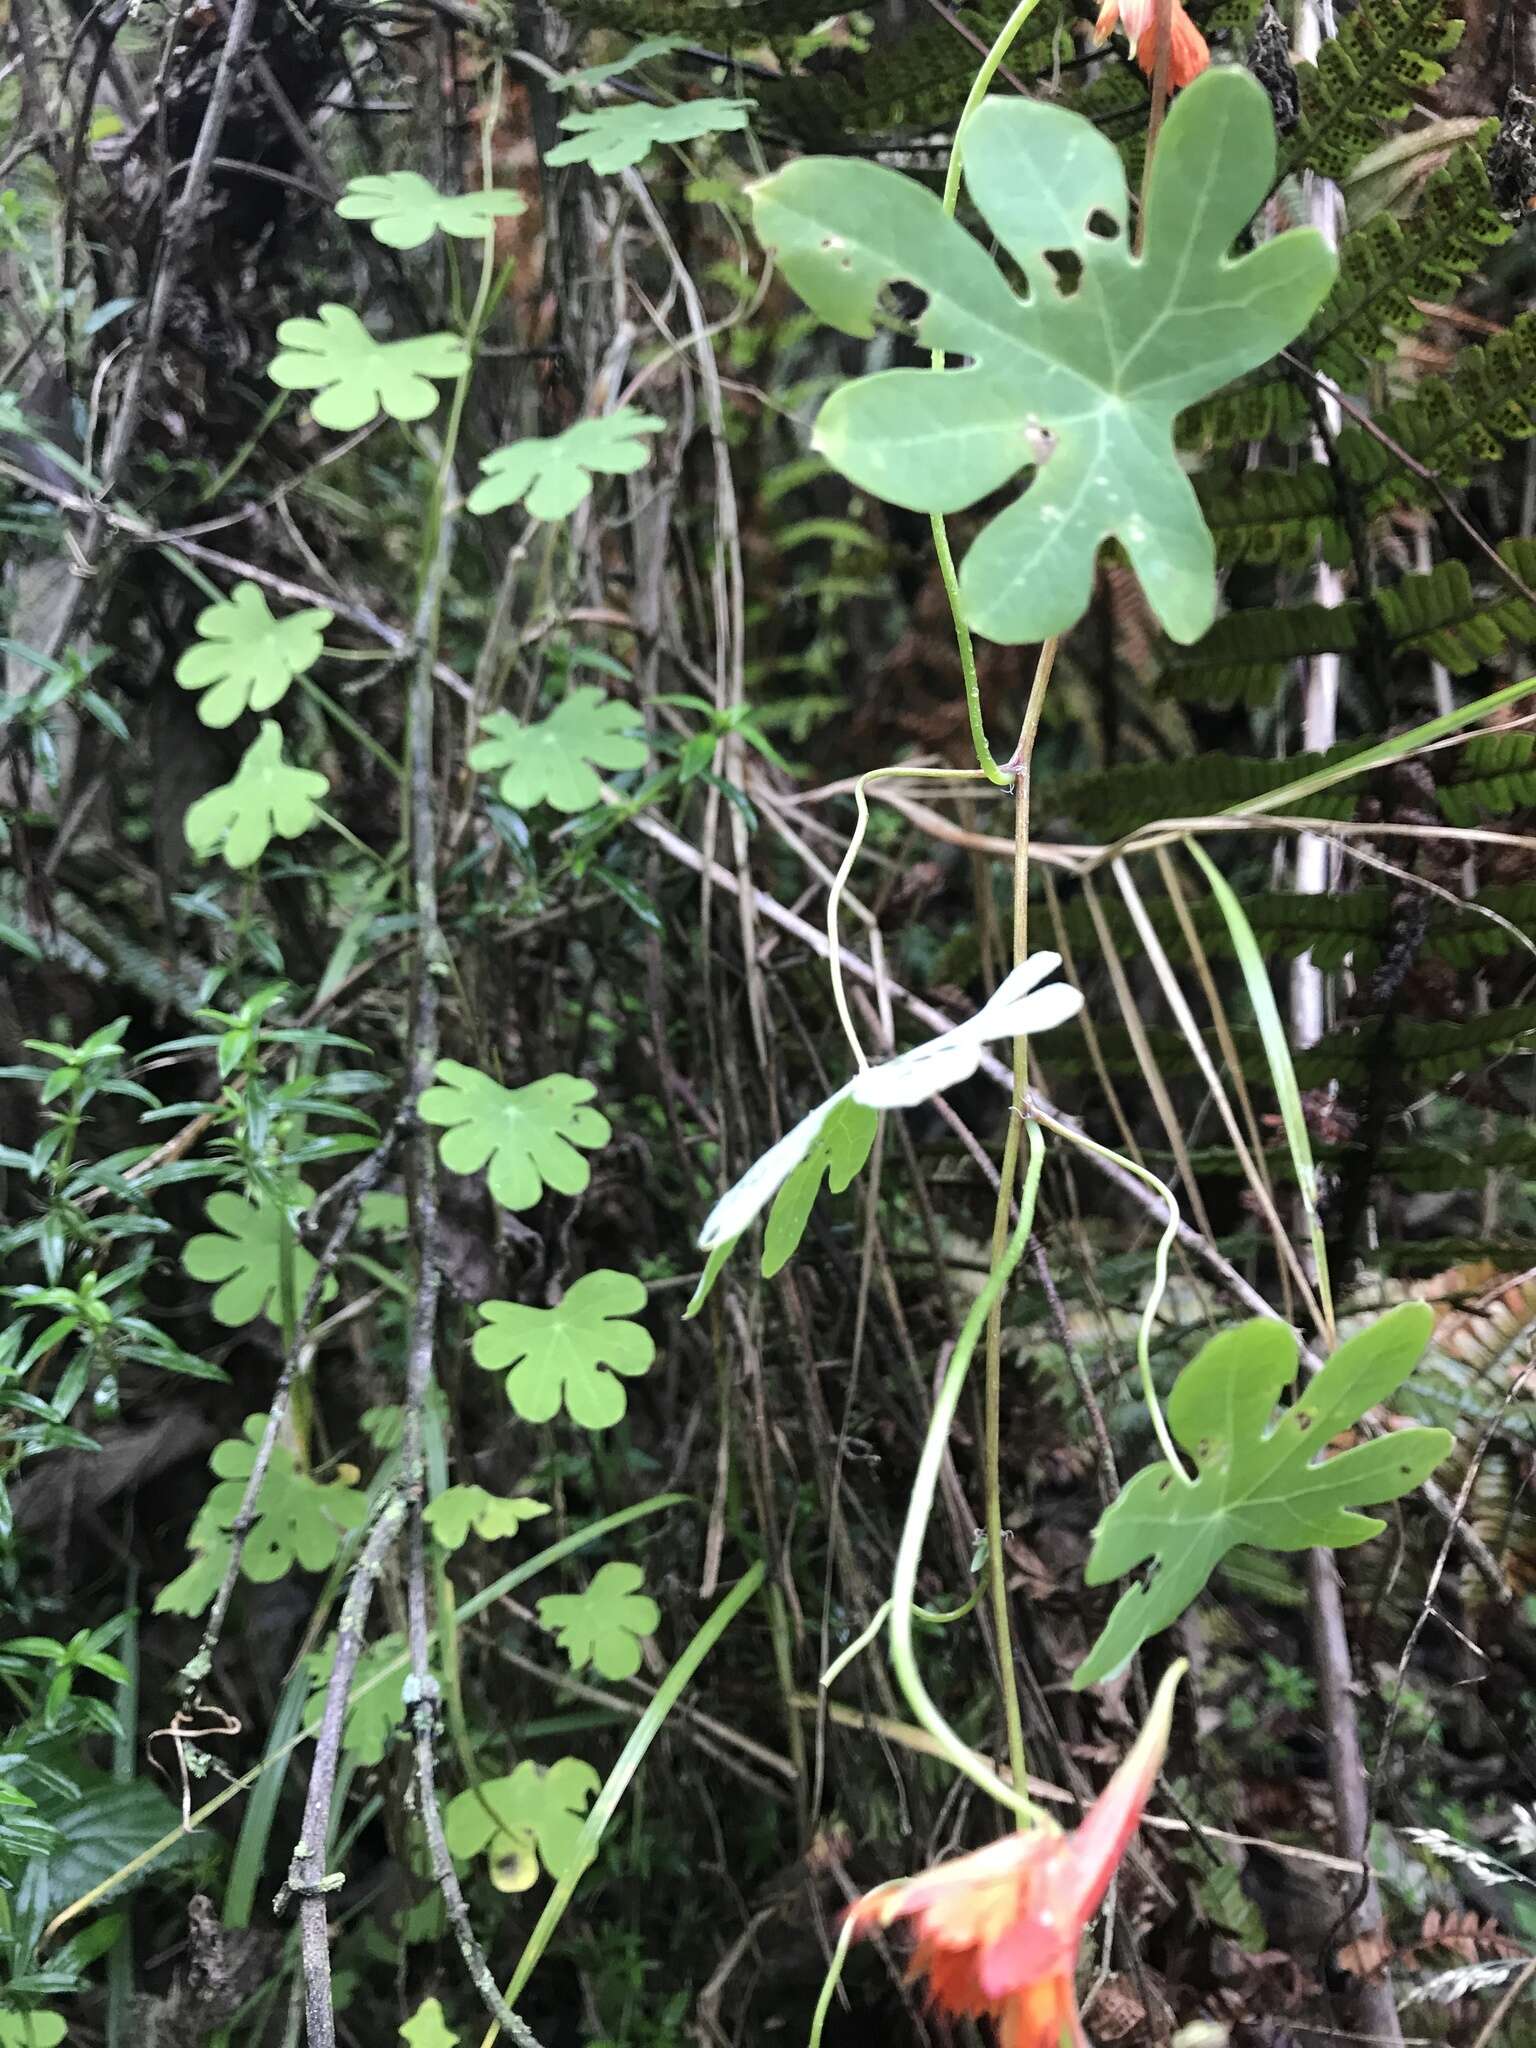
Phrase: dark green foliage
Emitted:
{"points": [[1353, 924], [910, 82], [1274, 516], [1247, 655], [1384, 54], [1386, 265], [1121, 799], [1267, 409], [1495, 775], [719, 24], [1429, 1052], [1452, 426]]}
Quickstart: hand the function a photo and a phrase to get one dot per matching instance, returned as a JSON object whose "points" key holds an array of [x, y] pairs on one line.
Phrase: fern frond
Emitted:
{"points": [[1269, 409], [1274, 516], [1384, 267], [721, 24], [1384, 53], [1495, 775], [1245, 655], [1452, 427], [1114, 801], [1442, 614]]}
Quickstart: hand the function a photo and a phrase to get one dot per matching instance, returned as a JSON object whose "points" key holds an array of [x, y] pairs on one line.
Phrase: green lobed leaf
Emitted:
{"points": [[245, 659], [403, 209], [569, 1353], [356, 377], [1082, 379], [242, 1255], [299, 1520], [552, 475], [604, 1625], [376, 1704], [458, 1509], [1261, 1481], [267, 797], [510, 1818], [555, 759], [615, 138], [526, 1137], [426, 2028]]}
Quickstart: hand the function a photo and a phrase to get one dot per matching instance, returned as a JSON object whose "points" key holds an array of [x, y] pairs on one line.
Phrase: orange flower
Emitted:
{"points": [[998, 1931], [1190, 52]]}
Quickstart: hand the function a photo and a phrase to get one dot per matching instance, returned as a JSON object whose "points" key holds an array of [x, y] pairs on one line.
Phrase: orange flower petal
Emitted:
{"points": [[1191, 52]]}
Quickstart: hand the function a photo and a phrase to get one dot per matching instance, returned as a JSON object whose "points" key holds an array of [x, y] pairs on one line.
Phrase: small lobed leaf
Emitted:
{"points": [[268, 797], [533, 1811], [552, 475], [1261, 1481], [604, 1625], [245, 659], [555, 759], [403, 209], [458, 1509], [375, 1704], [356, 377], [426, 2028], [571, 1352], [616, 138], [526, 1138], [242, 1256], [1079, 378]]}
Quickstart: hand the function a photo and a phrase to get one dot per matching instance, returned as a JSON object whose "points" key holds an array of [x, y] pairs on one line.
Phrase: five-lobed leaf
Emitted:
{"points": [[267, 797], [551, 475], [356, 377], [615, 138], [527, 1137], [555, 759], [458, 1509], [242, 1257], [245, 659], [1261, 1481], [570, 1352], [533, 1810], [604, 1626], [299, 1520], [1081, 377], [403, 209]]}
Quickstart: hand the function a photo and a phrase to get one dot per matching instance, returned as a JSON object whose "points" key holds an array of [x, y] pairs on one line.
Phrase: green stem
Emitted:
{"points": [[1159, 1288], [920, 1507], [990, 65]]}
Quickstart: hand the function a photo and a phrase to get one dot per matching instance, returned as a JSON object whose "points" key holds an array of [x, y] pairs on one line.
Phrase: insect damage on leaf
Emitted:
{"points": [[1262, 1482], [1092, 361]]}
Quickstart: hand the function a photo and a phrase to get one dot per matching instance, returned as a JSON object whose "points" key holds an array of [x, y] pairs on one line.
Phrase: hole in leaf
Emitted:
{"points": [[903, 301], [1303, 1419], [1067, 266], [1103, 224]]}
